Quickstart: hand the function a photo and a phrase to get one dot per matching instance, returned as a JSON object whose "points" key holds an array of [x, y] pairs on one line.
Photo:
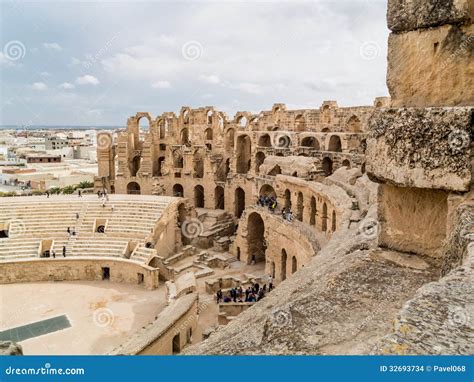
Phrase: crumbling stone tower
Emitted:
{"points": [[421, 148]]}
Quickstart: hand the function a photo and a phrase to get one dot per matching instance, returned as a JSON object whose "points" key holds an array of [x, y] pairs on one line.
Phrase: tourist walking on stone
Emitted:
{"points": [[64, 251]]}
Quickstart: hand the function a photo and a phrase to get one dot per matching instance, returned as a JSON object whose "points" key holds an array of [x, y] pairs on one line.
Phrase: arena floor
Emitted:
{"points": [[75, 317]]}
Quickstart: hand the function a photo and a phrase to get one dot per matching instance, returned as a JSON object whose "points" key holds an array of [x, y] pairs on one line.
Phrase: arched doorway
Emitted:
{"points": [[244, 149], [299, 207], [276, 170], [133, 188], [185, 136], [300, 123], [199, 196], [310, 142], [176, 344], [287, 199], [256, 238], [134, 165], [158, 170], [229, 140], [324, 218], [346, 163], [333, 221], [265, 141], [294, 265], [327, 166], [219, 198], [208, 134], [335, 144], [267, 190], [198, 165], [239, 201], [178, 190], [259, 159], [354, 125], [284, 258], [178, 160], [312, 211]]}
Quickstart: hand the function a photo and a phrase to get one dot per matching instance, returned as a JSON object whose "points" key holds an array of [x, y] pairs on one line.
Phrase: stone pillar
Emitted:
{"points": [[421, 153]]}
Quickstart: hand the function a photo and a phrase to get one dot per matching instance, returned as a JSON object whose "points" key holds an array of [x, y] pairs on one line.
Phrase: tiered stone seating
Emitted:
{"points": [[129, 218], [142, 254]]}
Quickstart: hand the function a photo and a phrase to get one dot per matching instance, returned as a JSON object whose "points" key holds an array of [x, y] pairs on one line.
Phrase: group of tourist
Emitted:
{"points": [[252, 294], [267, 201]]}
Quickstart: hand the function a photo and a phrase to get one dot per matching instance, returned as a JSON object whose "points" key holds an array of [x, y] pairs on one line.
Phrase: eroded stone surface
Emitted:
{"points": [[407, 15], [425, 148]]}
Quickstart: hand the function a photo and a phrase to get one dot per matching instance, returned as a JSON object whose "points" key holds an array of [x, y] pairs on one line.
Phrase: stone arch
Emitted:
{"points": [[310, 142], [158, 169], [199, 196], [312, 211], [133, 188], [346, 163], [178, 190], [209, 117], [354, 125], [283, 260], [244, 149], [184, 136], [198, 165], [265, 141], [276, 170], [256, 238], [229, 140], [335, 144], [162, 129], [259, 159], [242, 121], [219, 198], [294, 264], [134, 165], [287, 196], [208, 134], [333, 221], [144, 123], [185, 114], [324, 218], [299, 206], [300, 123], [178, 161], [327, 166], [267, 190], [239, 201]]}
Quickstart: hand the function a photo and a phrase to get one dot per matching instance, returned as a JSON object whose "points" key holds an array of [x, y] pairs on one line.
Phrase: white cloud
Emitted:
{"points": [[40, 86], [250, 88], [167, 40], [161, 85], [45, 74], [5, 61], [52, 46], [87, 80], [67, 86], [212, 78]]}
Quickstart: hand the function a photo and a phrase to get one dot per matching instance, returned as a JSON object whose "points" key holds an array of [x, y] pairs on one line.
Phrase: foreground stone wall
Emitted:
{"points": [[73, 269]]}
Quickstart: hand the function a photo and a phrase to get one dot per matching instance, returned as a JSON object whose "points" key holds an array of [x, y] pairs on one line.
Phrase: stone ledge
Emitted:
{"points": [[407, 15], [421, 147]]}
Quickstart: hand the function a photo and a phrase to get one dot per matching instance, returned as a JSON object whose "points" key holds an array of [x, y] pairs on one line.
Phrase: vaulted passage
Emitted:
{"points": [[199, 196], [256, 238], [133, 188], [239, 200], [219, 198], [243, 154]]}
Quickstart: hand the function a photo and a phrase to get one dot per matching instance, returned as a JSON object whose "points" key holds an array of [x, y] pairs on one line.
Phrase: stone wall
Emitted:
{"points": [[73, 269]]}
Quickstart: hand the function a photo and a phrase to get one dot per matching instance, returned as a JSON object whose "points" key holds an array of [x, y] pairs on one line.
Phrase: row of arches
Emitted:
{"points": [[199, 195], [334, 144]]}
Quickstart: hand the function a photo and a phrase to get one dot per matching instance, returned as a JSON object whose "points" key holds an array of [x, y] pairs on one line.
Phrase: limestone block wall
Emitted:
{"points": [[73, 269], [431, 53]]}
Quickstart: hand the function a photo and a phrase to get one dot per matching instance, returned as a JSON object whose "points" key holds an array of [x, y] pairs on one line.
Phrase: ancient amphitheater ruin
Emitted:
{"points": [[375, 257]]}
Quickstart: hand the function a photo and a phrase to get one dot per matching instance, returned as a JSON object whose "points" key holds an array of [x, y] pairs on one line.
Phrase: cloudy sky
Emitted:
{"points": [[96, 63]]}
